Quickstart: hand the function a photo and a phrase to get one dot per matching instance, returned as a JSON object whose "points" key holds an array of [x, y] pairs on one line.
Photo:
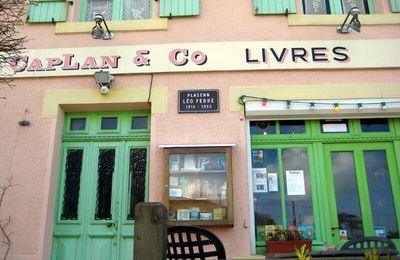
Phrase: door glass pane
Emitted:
{"points": [[375, 125], [109, 123], [137, 173], [298, 199], [77, 124], [139, 123], [262, 127], [346, 191], [136, 9], [103, 7], [73, 169], [266, 192], [292, 127], [380, 194], [104, 183]]}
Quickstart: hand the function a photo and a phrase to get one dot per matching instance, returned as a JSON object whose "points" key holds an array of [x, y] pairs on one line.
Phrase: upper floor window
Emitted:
{"points": [[334, 6], [117, 9]]}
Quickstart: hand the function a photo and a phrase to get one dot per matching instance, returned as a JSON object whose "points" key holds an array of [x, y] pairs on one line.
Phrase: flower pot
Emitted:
{"points": [[286, 246]]}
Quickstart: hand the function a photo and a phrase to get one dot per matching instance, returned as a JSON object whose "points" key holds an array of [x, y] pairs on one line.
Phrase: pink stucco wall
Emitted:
{"points": [[30, 154]]}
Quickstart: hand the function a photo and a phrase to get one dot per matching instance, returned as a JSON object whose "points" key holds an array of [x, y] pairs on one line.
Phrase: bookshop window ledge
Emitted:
{"points": [[324, 19], [127, 25]]}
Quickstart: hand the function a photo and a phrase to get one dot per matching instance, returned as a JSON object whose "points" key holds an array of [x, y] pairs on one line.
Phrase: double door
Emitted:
{"points": [[100, 183], [363, 191]]}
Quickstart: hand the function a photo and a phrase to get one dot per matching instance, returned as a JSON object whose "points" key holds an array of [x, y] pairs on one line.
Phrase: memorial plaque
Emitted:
{"points": [[198, 101], [315, 7]]}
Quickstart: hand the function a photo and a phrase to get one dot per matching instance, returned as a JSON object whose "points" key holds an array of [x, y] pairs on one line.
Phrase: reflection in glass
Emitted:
{"points": [[139, 123], [299, 210], [348, 4], [77, 124], [262, 127], [109, 123], [346, 191], [380, 193], [375, 125], [267, 205], [292, 127]]}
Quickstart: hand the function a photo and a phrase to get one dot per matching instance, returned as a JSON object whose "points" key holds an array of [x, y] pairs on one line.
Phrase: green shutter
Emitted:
{"points": [[395, 5], [179, 8], [336, 6], [274, 6], [47, 11]]}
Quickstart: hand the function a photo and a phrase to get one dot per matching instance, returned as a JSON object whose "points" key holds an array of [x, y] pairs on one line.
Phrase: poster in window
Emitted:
{"points": [[183, 214], [273, 182], [260, 180], [295, 182], [257, 157]]}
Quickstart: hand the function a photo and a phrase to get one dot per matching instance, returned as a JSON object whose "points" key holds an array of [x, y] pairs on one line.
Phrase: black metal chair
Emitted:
{"points": [[187, 242]]}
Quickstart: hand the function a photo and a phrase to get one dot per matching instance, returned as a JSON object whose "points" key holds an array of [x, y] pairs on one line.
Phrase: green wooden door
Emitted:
{"points": [[362, 183], [103, 175]]}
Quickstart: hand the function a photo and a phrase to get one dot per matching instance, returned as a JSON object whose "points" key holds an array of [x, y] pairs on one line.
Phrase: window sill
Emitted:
{"points": [[373, 19], [131, 25]]}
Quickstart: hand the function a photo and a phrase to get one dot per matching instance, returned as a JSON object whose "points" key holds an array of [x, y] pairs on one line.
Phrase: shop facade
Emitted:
{"points": [[238, 123]]}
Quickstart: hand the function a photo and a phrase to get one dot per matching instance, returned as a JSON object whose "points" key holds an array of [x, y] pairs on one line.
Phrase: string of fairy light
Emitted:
{"points": [[336, 106]]}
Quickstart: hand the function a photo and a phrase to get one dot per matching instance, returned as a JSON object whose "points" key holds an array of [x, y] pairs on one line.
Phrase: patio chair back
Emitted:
{"points": [[187, 242], [369, 243]]}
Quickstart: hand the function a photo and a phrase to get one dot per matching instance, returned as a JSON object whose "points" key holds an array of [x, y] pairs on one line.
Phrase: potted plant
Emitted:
{"points": [[285, 241]]}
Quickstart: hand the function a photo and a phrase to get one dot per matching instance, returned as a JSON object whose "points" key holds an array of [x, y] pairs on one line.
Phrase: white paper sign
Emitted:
{"points": [[273, 182], [260, 180], [295, 182]]}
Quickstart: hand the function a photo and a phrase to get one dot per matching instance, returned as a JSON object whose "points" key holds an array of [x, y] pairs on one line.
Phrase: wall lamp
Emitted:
{"points": [[98, 31], [354, 23], [104, 79]]}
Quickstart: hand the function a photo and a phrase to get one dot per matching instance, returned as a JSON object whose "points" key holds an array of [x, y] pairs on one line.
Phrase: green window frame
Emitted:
{"points": [[117, 11], [395, 6], [274, 7], [44, 11], [317, 142], [171, 8]]}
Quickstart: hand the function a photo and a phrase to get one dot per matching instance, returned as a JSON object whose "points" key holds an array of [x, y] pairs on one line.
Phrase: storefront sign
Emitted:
{"points": [[213, 56], [198, 101]]}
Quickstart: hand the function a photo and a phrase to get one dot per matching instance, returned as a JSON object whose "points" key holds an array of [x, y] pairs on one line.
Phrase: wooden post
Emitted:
{"points": [[150, 231]]}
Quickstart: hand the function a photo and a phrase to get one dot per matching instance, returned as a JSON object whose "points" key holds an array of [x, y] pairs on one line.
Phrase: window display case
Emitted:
{"points": [[198, 186]]}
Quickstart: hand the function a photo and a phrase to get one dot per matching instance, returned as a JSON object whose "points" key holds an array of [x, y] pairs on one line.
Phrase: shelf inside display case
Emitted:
{"points": [[198, 185]]}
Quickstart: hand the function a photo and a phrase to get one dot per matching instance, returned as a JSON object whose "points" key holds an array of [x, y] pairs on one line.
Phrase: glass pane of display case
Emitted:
{"points": [[198, 185]]}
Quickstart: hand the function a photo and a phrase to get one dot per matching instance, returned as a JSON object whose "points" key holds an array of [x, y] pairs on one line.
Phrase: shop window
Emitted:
{"points": [[380, 194], [375, 125], [262, 127], [139, 123], [282, 199], [277, 127], [77, 124], [292, 127], [335, 6], [334, 126], [109, 123], [116, 9]]}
